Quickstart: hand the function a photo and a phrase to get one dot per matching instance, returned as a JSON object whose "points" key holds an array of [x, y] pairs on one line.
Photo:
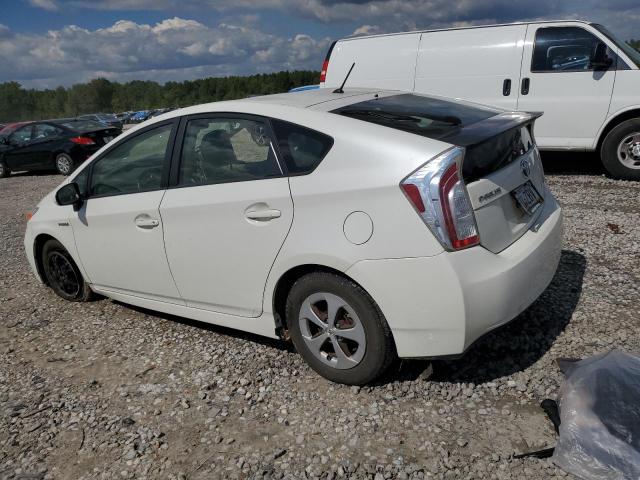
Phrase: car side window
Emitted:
{"points": [[564, 49], [22, 135], [134, 165], [43, 131], [303, 149], [223, 150]]}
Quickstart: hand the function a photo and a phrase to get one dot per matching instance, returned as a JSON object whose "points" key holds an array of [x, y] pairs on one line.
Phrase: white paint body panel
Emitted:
{"points": [[472, 64], [436, 302], [220, 259]]}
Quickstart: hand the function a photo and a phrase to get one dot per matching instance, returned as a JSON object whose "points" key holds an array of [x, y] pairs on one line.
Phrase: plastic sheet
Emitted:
{"points": [[600, 417]]}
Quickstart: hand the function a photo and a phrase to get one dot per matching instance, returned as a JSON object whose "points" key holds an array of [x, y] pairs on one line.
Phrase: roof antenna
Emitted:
{"points": [[340, 89]]}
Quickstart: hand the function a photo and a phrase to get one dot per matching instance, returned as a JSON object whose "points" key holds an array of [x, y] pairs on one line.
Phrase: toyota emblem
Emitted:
{"points": [[525, 165]]}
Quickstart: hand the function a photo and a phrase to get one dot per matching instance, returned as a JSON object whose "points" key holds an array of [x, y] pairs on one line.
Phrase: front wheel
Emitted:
{"points": [[620, 151], [62, 273], [64, 164], [338, 329]]}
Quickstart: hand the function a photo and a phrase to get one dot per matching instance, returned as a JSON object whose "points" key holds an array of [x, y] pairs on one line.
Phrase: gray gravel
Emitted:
{"points": [[102, 390]]}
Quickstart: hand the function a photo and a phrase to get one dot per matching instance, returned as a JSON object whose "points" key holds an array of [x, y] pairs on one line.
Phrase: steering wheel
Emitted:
{"points": [[149, 179], [102, 188]]}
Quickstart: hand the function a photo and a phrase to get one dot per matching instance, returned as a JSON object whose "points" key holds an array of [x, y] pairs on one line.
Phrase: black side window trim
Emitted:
{"points": [[165, 169], [614, 66], [174, 172]]}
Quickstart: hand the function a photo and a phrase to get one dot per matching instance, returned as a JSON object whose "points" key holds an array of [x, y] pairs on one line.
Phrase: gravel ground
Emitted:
{"points": [[102, 390]]}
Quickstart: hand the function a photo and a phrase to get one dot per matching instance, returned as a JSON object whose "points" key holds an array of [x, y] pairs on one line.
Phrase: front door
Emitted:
{"points": [[228, 215], [558, 79], [119, 230], [19, 155]]}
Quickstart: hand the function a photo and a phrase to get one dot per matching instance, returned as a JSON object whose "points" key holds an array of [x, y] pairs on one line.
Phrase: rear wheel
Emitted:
{"points": [[4, 170], [64, 164], [62, 273], [338, 329], [621, 150]]}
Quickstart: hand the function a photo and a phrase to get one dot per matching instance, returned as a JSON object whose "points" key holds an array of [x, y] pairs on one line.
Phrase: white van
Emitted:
{"points": [[584, 79]]}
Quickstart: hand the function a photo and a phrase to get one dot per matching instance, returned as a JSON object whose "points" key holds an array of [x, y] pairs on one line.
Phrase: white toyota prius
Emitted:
{"points": [[364, 225]]}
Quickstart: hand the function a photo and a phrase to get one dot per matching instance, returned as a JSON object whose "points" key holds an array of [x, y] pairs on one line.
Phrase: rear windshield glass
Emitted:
{"points": [[84, 125], [426, 116]]}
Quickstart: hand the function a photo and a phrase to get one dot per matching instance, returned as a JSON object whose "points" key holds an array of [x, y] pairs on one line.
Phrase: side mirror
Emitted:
{"points": [[70, 195], [600, 60], [4, 141]]}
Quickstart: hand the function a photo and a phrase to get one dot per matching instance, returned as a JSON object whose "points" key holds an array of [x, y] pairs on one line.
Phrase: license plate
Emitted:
{"points": [[527, 197], [107, 139]]}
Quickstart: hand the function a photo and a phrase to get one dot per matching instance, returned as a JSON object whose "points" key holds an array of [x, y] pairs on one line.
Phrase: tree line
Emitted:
{"points": [[101, 95]]}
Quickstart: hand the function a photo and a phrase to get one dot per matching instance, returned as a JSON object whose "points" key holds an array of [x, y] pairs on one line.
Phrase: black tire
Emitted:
{"points": [[627, 168], [380, 352], [57, 263], [4, 170], [64, 164]]}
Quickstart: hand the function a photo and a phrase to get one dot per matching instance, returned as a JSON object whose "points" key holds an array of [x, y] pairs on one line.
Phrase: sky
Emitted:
{"points": [[47, 43]]}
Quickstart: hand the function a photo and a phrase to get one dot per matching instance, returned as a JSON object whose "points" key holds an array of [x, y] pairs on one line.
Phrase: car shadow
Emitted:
{"points": [[517, 345], [34, 173], [572, 163], [226, 331]]}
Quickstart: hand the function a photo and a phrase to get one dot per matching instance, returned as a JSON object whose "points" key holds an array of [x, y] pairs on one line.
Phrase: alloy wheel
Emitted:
{"points": [[629, 151], [332, 331], [63, 163]]}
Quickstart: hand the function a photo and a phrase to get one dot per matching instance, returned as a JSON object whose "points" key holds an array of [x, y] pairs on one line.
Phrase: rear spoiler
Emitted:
{"points": [[484, 130]]}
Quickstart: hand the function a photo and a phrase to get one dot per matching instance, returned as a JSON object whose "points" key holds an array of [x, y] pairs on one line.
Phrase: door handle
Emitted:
{"points": [[263, 215], [506, 87], [525, 86], [145, 221]]}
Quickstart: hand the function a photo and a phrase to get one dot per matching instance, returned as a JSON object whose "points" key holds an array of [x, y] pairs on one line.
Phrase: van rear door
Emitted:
{"points": [[385, 61], [477, 64]]}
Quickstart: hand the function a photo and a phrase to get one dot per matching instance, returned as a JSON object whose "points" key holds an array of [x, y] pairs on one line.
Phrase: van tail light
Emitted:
{"points": [[325, 64], [440, 197], [323, 72], [82, 140]]}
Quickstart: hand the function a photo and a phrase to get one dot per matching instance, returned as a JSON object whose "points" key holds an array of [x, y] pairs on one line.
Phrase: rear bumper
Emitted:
{"points": [[438, 306]]}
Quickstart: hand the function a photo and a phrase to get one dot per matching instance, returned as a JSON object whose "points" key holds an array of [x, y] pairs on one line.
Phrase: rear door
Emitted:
{"points": [[477, 64], [47, 139], [557, 79], [228, 213]]}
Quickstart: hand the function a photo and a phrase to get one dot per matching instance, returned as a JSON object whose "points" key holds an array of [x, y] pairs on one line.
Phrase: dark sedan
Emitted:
{"points": [[53, 144]]}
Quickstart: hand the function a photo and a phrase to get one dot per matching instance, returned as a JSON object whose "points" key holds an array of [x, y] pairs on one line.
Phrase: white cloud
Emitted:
{"points": [[45, 4], [175, 48]]}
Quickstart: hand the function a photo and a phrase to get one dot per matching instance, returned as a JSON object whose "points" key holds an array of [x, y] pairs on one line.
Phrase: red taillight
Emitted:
{"points": [[323, 72], [440, 197], [413, 194], [448, 182], [83, 140]]}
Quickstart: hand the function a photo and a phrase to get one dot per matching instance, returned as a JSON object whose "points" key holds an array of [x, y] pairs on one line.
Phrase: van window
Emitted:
{"points": [[303, 149], [563, 49], [631, 52], [426, 116]]}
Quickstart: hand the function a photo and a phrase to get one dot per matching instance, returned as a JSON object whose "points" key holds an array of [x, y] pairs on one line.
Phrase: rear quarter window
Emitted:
{"points": [[302, 148]]}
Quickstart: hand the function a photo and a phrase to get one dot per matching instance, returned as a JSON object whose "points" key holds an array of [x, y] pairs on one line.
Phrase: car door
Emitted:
{"points": [[46, 141], [18, 155], [119, 230], [477, 64], [228, 213], [559, 80]]}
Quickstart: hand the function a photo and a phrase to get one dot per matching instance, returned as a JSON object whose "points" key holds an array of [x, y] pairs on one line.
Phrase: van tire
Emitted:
{"points": [[379, 346], [615, 153]]}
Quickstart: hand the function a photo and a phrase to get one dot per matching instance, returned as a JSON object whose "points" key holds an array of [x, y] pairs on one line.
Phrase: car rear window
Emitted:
{"points": [[426, 116], [84, 125], [302, 148]]}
